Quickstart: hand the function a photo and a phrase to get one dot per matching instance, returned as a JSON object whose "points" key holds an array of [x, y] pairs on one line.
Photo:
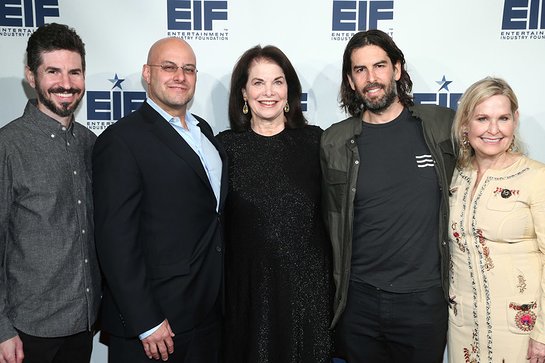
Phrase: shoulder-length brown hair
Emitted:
{"points": [[240, 121]]}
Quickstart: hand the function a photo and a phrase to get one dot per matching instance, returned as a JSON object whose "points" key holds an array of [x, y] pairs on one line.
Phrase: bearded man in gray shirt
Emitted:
{"points": [[49, 276]]}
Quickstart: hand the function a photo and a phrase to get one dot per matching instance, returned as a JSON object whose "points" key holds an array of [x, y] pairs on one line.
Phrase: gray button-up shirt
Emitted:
{"points": [[49, 280]]}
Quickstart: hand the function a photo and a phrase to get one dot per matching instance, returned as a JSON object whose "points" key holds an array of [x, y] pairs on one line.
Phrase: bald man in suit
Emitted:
{"points": [[159, 187]]}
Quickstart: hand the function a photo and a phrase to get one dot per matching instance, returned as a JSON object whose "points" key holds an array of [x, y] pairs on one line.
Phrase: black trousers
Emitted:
{"points": [[199, 345], [70, 349], [383, 327]]}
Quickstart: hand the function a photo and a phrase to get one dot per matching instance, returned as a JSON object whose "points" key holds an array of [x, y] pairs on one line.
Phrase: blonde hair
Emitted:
{"points": [[473, 96]]}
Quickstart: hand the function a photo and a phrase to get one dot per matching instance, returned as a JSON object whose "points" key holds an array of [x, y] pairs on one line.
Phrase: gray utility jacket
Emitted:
{"points": [[340, 161]]}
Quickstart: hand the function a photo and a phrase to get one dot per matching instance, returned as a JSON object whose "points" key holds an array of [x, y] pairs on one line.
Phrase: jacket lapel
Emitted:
{"points": [[170, 137], [223, 155]]}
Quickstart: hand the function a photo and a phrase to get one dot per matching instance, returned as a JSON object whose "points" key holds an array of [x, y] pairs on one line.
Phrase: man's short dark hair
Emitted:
{"points": [[50, 37]]}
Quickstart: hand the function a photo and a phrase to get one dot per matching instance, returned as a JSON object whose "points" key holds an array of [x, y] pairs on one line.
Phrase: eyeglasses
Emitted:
{"points": [[172, 68]]}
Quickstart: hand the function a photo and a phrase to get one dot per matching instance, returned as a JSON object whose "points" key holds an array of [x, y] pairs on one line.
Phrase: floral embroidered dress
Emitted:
{"points": [[497, 243]]}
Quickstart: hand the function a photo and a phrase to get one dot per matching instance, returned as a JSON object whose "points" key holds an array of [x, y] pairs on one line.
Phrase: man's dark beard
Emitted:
{"points": [[380, 105], [65, 110]]}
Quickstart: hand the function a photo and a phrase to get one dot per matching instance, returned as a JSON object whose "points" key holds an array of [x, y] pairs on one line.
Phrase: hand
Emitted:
{"points": [[11, 350], [160, 343], [536, 352]]}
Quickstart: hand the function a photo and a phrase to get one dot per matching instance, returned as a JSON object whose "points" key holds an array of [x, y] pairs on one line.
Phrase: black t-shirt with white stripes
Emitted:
{"points": [[396, 208]]}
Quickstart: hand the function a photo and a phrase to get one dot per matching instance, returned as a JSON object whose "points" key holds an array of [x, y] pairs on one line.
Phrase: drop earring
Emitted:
{"points": [[512, 147], [465, 141], [245, 108]]}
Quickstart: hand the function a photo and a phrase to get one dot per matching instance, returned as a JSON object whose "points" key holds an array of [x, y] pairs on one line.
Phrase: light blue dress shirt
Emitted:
{"points": [[207, 152]]}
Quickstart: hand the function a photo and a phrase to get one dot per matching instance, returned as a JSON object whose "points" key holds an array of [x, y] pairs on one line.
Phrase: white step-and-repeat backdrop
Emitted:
{"points": [[448, 45]]}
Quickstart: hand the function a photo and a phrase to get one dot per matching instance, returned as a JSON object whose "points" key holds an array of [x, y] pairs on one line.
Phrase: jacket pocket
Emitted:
{"points": [[521, 314], [180, 268], [456, 312], [335, 188], [503, 200]]}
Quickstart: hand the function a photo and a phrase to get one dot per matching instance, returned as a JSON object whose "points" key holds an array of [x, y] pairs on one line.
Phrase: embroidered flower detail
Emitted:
{"points": [[469, 357], [453, 305], [505, 193], [488, 263], [522, 283], [471, 353], [525, 319], [457, 237]]}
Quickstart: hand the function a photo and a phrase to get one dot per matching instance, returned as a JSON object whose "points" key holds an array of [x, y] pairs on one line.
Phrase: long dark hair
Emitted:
{"points": [[237, 119], [350, 100]]}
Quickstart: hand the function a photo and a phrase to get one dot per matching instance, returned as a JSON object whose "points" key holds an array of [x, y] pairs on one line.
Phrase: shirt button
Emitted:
{"points": [[83, 231], [79, 201], [63, 128], [354, 189], [75, 172], [218, 248], [444, 243], [352, 141], [356, 162], [87, 289], [53, 136], [67, 143]]}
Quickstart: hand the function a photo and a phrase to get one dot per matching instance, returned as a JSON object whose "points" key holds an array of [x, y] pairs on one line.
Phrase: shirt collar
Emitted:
{"points": [[189, 118], [45, 122]]}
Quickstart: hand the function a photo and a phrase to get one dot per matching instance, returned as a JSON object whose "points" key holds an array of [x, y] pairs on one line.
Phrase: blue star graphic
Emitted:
{"points": [[117, 82], [444, 84]]}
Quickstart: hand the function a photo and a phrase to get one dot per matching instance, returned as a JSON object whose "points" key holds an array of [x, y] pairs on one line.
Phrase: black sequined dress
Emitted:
{"points": [[278, 282]]}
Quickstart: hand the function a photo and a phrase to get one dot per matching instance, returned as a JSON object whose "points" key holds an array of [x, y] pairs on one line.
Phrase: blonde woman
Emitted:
{"points": [[497, 234]]}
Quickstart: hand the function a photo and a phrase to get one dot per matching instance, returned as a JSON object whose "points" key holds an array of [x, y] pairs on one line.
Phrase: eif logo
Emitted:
{"points": [[107, 106], [523, 15], [195, 14], [304, 102], [361, 15], [26, 14], [443, 96]]}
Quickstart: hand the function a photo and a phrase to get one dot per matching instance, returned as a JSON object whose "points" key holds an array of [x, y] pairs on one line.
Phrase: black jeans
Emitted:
{"points": [[70, 349], [384, 327]]}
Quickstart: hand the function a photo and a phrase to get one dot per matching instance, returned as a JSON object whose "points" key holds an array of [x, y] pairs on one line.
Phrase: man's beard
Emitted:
{"points": [[65, 109], [379, 105]]}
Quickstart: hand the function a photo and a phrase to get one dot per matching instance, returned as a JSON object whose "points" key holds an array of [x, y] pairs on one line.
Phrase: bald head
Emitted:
{"points": [[168, 44], [171, 83]]}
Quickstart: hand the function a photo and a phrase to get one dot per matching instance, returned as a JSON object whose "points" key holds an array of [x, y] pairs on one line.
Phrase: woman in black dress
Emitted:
{"points": [[278, 279]]}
